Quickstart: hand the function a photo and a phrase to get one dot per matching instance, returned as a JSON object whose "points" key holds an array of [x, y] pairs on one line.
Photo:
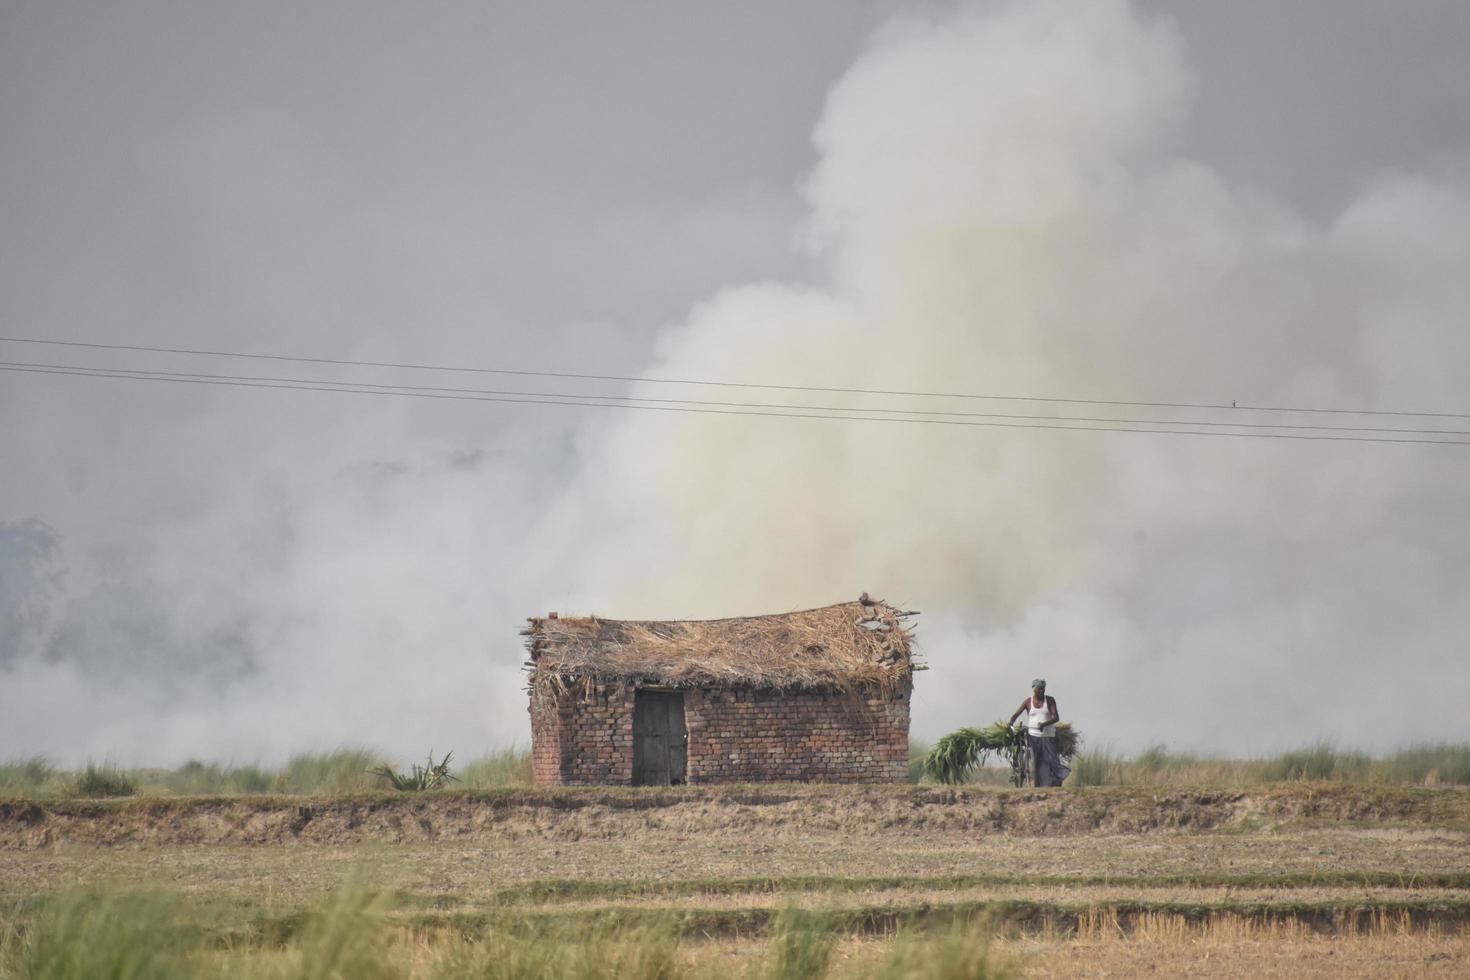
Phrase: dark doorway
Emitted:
{"points": [[660, 740]]}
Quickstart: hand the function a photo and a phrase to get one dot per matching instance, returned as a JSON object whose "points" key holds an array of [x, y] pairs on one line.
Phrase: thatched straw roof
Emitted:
{"points": [[849, 645]]}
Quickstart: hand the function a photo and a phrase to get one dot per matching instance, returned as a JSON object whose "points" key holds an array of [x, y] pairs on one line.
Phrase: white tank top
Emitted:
{"points": [[1036, 716]]}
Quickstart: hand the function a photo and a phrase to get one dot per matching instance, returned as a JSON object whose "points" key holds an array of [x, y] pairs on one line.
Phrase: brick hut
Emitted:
{"points": [[820, 695]]}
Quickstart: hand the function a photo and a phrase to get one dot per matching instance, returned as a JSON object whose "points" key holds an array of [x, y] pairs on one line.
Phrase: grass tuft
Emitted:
{"points": [[1156, 758], [195, 778], [1096, 767], [515, 949], [1320, 761], [103, 781], [431, 775], [81, 936], [801, 945], [918, 749], [501, 768], [327, 773], [1430, 765], [344, 940], [960, 953], [33, 776]]}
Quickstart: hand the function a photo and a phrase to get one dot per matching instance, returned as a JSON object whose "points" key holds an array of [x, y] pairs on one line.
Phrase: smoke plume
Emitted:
{"points": [[1001, 204]]}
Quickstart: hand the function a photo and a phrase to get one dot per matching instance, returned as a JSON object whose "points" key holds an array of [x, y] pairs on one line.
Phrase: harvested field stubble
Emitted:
{"points": [[1240, 946], [353, 933], [573, 815], [1075, 882]]}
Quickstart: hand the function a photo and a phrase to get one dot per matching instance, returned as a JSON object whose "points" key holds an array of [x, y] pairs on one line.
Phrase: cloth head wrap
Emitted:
{"points": [[1038, 683]]}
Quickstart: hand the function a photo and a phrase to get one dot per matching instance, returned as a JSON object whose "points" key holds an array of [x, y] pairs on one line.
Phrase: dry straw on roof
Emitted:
{"points": [[849, 645]]}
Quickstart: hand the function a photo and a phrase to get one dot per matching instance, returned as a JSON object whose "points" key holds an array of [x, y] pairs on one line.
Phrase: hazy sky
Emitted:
{"points": [[1165, 202]]}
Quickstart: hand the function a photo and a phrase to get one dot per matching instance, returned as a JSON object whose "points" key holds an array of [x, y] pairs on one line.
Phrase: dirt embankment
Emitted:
{"points": [[711, 811]]}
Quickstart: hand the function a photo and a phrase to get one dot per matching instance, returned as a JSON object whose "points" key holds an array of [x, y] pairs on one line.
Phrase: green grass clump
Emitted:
{"points": [[431, 775], [23, 778], [1431, 765], [512, 949], [801, 945], [327, 773], [82, 936], [960, 953], [195, 778], [1441, 764], [499, 769], [346, 939], [128, 935], [1160, 765], [918, 749], [103, 780], [1158, 758], [1320, 761], [1096, 767]]}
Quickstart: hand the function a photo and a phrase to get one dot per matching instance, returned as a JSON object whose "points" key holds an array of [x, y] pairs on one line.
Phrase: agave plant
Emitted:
{"points": [[959, 753], [431, 775]]}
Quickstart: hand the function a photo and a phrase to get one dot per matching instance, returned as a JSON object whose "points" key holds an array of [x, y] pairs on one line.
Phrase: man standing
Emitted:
{"points": [[1041, 717]]}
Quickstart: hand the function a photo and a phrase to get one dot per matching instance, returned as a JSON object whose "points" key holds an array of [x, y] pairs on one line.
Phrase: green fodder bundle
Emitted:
{"points": [[1069, 742], [957, 755]]}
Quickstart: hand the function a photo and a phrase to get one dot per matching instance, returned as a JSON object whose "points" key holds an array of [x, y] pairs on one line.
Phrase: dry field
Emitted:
{"points": [[1298, 880]]}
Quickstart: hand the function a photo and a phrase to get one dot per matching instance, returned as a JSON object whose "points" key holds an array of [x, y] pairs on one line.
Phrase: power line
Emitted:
{"points": [[565, 401], [345, 362], [348, 385]]}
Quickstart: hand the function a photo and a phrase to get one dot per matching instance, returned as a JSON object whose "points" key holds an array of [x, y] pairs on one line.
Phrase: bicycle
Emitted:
{"points": [[1023, 762]]}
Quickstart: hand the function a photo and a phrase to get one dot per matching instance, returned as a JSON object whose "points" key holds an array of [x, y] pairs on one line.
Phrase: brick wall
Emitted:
{"points": [[583, 737], [735, 735], [546, 734], [747, 736]]}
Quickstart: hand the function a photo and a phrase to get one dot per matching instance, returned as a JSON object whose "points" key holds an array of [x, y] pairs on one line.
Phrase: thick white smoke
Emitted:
{"points": [[999, 207], [1000, 211]]}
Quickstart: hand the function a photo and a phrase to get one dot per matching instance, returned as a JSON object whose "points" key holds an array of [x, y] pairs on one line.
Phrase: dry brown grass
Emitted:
{"points": [[1231, 947], [1081, 901], [530, 847], [1239, 946], [770, 813]]}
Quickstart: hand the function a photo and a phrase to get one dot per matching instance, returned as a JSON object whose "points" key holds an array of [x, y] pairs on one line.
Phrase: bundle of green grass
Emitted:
{"points": [[956, 755]]}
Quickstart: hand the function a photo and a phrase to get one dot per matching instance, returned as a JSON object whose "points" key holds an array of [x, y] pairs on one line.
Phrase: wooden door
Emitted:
{"points": [[660, 753]]}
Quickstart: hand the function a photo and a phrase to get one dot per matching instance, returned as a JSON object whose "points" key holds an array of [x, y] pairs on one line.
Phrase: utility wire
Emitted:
{"points": [[348, 385], [726, 384], [563, 400]]}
